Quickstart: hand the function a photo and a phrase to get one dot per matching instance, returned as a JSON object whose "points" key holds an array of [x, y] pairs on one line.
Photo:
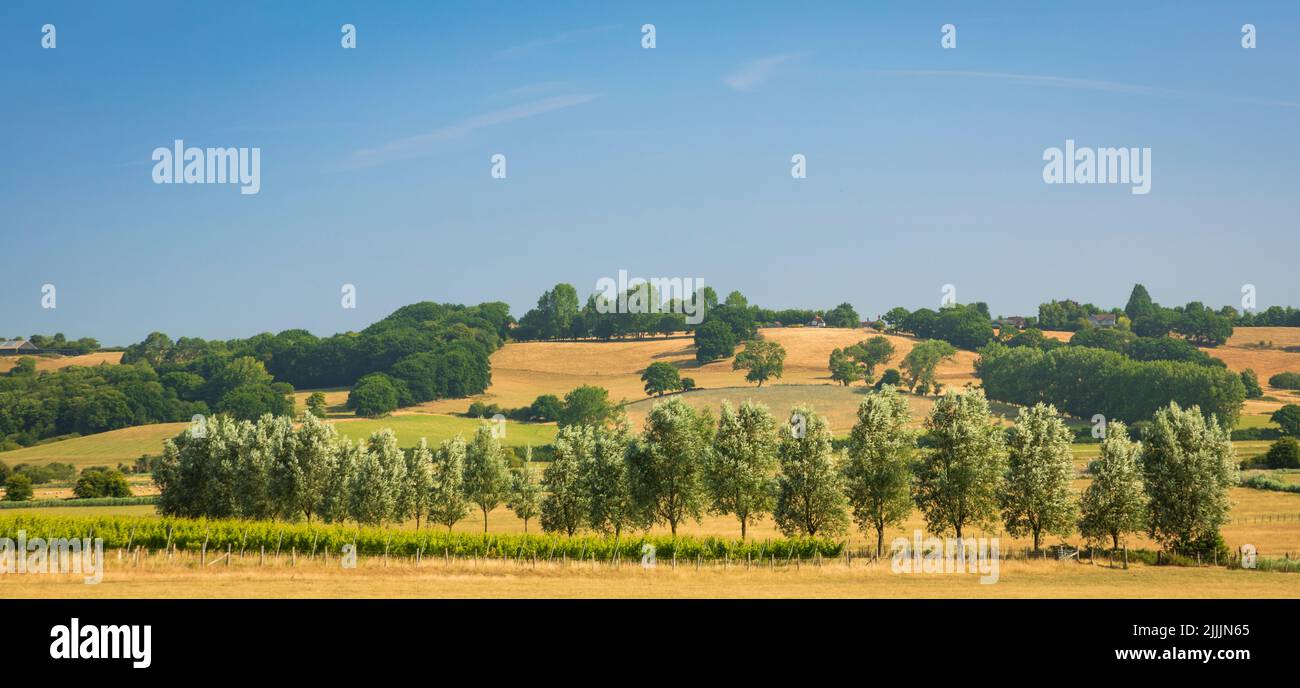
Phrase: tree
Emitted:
{"points": [[920, 364], [316, 404], [958, 480], [607, 485], [763, 359], [376, 484], [1250, 381], [417, 491], [739, 472], [1114, 503], [1139, 303], [895, 317], [447, 502], [844, 369], [1037, 497], [18, 488], [666, 463], [714, 340], [487, 475], [1288, 418], [871, 353], [878, 472], [661, 377], [843, 315], [1284, 453], [564, 509], [1188, 465], [810, 497], [525, 493], [299, 474], [101, 482], [335, 505], [588, 405], [374, 395]]}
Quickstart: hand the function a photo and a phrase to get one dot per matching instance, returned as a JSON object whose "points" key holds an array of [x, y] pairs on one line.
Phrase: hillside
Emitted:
{"points": [[55, 362]]}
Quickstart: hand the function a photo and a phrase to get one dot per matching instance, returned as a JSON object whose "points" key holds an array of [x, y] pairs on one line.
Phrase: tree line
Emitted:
{"points": [[960, 471]]}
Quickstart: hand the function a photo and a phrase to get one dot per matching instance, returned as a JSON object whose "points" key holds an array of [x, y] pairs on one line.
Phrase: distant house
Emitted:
{"points": [[1015, 321], [17, 346], [817, 322], [1102, 320]]}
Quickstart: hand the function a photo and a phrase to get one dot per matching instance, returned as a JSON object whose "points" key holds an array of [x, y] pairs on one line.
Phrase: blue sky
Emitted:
{"points": [[924, 164]]}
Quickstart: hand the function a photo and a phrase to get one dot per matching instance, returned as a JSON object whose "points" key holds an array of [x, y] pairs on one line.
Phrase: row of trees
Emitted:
{"points": [[1083, 381], [962, 470]]}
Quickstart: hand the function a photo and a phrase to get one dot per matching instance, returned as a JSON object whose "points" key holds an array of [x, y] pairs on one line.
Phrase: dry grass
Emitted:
{"points": [[55, 361], [1239, 355], [375, 578]]}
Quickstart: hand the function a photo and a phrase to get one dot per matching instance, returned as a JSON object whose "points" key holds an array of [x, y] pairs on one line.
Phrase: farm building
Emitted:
{"points": [[1015, 321], [1102, 320], [17, 346], [817, 322]]}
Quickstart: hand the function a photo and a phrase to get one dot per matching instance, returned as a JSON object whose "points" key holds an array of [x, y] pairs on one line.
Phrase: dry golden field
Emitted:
{"points": [[154, 577], [55, 362]]}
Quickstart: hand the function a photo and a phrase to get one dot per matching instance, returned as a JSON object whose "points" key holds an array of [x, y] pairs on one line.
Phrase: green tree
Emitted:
{"points": [[588, 405], [762, 359], [607, 485], [1284, 453], [374, 395], [376, 483], [1139, 303], [1188, 466], [810, 497], [878, 471], [844, 369], [316, 404], [1251, 382], [447, 502], [739, 472], [298, 475], [1114, 502], [1288, 418], [959, 478], [417, 491], [18, 488], [661, 377], [1036, 497], [843, 315], [666, 463], [101, 482], [525, 493], [871, 353], [487, 474], [714, 340], [920, 364], [564, 508]]}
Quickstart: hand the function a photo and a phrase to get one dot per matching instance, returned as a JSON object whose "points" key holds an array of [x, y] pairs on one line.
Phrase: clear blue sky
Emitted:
{"points": [[924, 164]]}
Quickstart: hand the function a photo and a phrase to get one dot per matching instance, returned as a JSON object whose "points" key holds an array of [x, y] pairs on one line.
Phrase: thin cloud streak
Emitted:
{"points": [[755, 73], [1036, 80], [414, 146], [524, 48]]}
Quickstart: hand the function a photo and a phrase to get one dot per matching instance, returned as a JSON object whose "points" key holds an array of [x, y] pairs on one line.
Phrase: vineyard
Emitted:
{"points": [[310, 540]]}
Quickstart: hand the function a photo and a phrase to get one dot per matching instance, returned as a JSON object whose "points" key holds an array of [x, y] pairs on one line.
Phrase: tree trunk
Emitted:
{"points": [[1114, 538], [1036, 539], [880, 541], [742, 529], [484, 520]]}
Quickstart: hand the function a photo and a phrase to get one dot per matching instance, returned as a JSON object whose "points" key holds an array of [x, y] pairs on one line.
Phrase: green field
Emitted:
{"points": [[411, 427], [103, 449]]}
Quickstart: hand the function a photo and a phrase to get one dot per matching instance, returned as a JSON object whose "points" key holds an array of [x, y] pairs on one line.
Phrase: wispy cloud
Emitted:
{"points": [[753, 74], [525, 48], [414, 146], [1035, 80]]}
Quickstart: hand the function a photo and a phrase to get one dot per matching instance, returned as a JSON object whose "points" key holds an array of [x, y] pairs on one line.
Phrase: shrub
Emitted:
{"points": [[1284, 453], [1285, 381], [101, 482]]}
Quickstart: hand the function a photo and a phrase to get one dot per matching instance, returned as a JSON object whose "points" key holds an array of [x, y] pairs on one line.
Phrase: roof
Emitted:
{"points": [[1102, 317], [12, 343]]}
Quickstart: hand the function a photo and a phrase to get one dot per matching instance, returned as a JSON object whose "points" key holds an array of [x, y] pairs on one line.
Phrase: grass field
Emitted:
{"points": [[411, 427], [375, 578], [54, 362], [102, 449]]}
